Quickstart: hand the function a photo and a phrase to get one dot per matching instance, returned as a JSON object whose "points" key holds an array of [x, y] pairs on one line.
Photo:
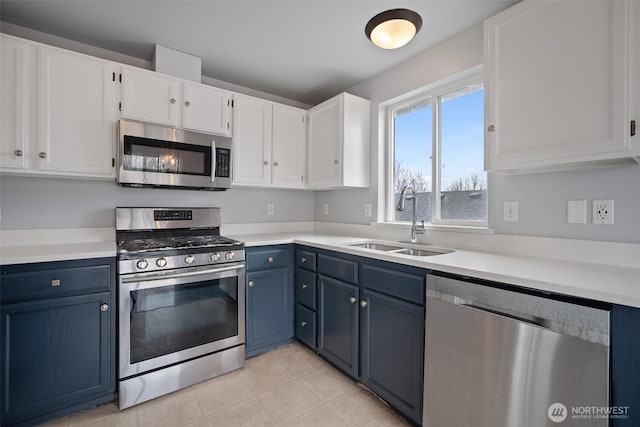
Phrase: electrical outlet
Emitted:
{"points": [[602, 212], [269, 208], [367, 209], [325, 209], [511, 211]]}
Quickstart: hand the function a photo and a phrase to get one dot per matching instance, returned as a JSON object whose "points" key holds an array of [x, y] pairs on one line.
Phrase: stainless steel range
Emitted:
{"points": [[181, 300]]}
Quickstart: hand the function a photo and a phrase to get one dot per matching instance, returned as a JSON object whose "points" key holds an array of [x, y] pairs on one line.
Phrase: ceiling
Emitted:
{"points": [[304, 50]]}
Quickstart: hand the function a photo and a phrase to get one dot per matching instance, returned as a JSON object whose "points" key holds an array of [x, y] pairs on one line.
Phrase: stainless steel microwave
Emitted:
{"points": [[158, 156]]}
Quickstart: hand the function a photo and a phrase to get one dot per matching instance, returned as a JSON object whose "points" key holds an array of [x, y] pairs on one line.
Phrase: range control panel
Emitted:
{"points": [[173, 215]]}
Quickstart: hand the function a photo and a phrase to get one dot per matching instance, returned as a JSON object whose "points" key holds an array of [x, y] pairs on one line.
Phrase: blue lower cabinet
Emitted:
{"points": [[58, 351], [338, 324], [270, 307], [392, 343], [625, 364]]}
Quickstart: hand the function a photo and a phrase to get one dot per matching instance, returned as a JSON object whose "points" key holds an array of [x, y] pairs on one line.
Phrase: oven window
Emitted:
{"points": [[153, 155], [172, 318]]}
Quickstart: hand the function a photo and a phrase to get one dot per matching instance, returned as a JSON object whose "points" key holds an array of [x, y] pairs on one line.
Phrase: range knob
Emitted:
{"points": [[214, 257], [229, 256], [161, 262], [142, 264], [189, 259]]}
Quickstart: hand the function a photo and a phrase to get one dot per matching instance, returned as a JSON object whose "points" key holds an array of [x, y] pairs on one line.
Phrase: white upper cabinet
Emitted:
{"points": [[206, 109], [150, 97], [13, 103], [269, 144], [289, 144], [76, 114], [251, 141], [338, 143], [558, 85]]}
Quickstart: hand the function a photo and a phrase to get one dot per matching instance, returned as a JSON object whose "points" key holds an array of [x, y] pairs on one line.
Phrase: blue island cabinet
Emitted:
{"points": [[270, 298], [58, 338]]}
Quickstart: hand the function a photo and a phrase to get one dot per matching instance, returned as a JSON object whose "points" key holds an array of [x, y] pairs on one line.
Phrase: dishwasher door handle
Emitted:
{"points": [[532, 320]]}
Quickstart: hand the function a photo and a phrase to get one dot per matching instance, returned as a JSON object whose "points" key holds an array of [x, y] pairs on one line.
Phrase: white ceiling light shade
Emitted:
{"points": [[393, 28]]}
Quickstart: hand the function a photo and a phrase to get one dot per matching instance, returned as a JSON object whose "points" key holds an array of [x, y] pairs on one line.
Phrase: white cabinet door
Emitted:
{"points": [[251, 140], [149, 97], [13, 103], [325, 144], [206, 109], [76, 114], [557, 84], [289, 146]]}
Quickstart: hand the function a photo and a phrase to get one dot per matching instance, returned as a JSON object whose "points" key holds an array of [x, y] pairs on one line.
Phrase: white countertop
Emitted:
{"points": [[56, 252], [619, 285], [614, 284]]}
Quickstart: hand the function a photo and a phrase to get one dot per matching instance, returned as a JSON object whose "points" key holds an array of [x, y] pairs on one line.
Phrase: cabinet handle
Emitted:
{"points": [[275, 164], [251, 283], [303, 324], [18, 153], [303, 260], [352, 300], [491, 128], [172, 100], [305, 286], [42, 155], [104, 307], [270, 259], [363, 304], [187, 103], [266, 163]]}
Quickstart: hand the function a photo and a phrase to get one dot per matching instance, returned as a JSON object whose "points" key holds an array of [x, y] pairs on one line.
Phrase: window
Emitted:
{"points": [[436, 145]]}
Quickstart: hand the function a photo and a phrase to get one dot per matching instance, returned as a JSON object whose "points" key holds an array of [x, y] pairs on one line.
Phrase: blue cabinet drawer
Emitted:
{"points": [[338, 268], [56, 279], [306, 260], [306, 326], [268, 257], [409, 287], [306, 288]]}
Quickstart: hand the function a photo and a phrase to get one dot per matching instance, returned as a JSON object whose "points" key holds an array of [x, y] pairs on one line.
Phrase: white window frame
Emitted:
{"points": [[472, 76]]}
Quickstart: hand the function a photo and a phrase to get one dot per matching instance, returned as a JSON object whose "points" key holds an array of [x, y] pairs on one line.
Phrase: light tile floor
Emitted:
{"points": [[290, 386]]}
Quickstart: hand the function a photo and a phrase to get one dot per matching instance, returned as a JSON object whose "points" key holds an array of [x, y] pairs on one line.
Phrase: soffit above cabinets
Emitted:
{"points": [[304, 51]]}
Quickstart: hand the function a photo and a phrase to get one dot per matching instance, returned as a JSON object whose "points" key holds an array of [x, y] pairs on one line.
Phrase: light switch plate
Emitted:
{"points": [[576, 211], [325, 209], [367, 209], [269, 208], [511, 211]]}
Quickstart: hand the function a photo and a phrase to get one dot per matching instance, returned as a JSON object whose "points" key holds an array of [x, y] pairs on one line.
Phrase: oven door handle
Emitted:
{"points": [[185, 274]]}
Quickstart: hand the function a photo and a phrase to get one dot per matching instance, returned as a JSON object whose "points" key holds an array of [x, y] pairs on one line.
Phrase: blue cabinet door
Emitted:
{"points": [[625, 361], [270, 309], [56, 353], [392, 339], [338, 324]]}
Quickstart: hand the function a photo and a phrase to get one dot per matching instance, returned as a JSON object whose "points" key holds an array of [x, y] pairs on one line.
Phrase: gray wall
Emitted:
{"points": [[30, 203], [542, 197]]}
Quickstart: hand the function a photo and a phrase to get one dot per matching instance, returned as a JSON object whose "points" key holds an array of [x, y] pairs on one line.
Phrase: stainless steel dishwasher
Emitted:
{"points": [[499, 358]]}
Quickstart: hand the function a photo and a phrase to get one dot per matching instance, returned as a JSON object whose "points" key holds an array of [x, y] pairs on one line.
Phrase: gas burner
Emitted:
{"points": [[138, 245]]}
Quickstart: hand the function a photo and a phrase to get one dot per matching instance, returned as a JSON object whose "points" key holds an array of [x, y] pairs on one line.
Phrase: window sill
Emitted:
{"points": [[437, 227]]}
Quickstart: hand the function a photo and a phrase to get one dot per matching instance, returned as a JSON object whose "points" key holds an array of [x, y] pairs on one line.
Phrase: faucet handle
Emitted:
{"points": [[419, 229]]}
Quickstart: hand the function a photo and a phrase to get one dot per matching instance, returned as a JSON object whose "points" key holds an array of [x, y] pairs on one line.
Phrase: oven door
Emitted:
{"points": [[167, 318]]}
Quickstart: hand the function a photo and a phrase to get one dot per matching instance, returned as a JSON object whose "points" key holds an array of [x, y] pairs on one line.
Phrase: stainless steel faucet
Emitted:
{"points": [[415, 228]]}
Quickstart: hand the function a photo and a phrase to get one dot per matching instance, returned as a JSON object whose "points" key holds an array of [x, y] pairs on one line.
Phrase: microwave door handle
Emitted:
{"points": [[213, 160]]}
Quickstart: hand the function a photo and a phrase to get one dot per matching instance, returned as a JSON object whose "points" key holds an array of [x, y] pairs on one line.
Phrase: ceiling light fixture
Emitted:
{"points": [[393, 28]]}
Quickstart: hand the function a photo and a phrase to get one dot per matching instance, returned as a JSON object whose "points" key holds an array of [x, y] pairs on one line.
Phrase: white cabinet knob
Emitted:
{"points": [[363, 304], [352, 300]]}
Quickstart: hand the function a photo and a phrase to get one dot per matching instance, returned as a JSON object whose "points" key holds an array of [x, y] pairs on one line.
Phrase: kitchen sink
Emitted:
{"points": [[376, 246], [396, 248]]}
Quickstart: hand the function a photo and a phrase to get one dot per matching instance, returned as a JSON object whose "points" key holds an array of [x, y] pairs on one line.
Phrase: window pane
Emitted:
{"points": [[463, 183], [412, 126]]}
